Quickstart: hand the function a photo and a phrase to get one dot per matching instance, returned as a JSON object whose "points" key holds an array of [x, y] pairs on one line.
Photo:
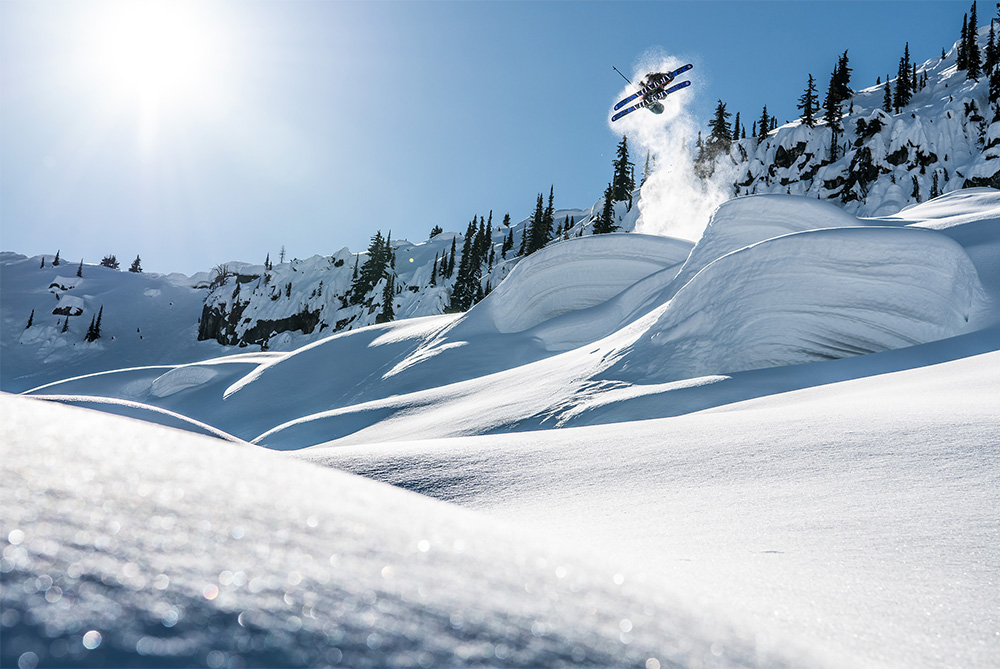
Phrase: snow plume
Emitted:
{"points": [[673, 201]]}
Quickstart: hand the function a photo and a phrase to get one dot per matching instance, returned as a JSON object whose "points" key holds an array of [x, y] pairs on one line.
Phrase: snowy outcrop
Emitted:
{"points": [[945, 139]]}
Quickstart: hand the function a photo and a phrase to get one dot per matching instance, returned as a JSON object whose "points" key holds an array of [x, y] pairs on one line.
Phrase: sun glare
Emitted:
{"points": [[156, 50]]}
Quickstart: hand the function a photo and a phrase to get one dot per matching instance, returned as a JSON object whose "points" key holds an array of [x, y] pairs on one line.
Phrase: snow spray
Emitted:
{"points": [[673, 201]]}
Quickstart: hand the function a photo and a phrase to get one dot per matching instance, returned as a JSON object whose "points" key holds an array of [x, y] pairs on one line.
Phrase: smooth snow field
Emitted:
{"points": [[777, 446]]}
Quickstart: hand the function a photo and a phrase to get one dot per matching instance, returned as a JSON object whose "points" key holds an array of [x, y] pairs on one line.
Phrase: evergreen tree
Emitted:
{"points": [[887, 100], [354, 276], [916, 189], [267, 262], [508, 244], [65, 327], [55, 261], [963, 59], [623, 182], [720, 139], [434, 271], [807, 103], [832, 114], [994, 93], [605, 223], [94, 331], [79, 270], [842, 79], [904, 89], [136, 266], [388, 313], [935, 187], [31, 319], [110, 261], [281, 254], [506, 221], [736, 128], [647, 168], [973, 57], [42, 266], [764, 124], [535, 234], [451, 259], [374, 268], [435, 231], [992, 57], [548, 216]]}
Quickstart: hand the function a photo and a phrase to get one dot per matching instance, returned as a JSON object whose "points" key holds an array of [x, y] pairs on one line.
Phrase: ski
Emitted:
{"points": [[646, 89], [647, 101]]}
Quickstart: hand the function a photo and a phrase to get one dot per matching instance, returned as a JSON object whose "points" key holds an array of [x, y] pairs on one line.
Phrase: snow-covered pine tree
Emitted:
{"points": [[962, 61], [807, 104], [832, 115], [605, 223], [79, 270], [623, 183], [548, 216], [55, 261], [110, 261], [887, 99], [736, 128], [904, 88], [65, 327], [973, 57], [373, 269], [31, 320], [136, 266], [764, 124], [842, 79], [534, 235], [388, 312]]}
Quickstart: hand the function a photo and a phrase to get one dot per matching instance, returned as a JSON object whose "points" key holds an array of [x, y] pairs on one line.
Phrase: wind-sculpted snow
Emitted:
{"points": [[748, 220], [127, 544], [807, 297], [575, 275]]}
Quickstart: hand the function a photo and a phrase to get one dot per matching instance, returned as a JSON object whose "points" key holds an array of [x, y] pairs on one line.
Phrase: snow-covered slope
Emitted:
{"points": [[146, 319], [946, 139], [127, 544], [536, 353], [859, 516]]}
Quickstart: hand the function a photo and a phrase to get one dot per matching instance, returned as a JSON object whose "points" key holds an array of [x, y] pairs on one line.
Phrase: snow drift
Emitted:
{"points": [[806, 297]]}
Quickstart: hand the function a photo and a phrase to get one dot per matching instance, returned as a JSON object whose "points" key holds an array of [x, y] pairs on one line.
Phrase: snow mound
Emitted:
{"points": [[574, 275], [806, 297], [194, 552], [748, 220]]}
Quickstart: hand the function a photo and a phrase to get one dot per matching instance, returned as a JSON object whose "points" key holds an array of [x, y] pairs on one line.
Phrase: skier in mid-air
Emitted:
{"points": [[652, 89]]}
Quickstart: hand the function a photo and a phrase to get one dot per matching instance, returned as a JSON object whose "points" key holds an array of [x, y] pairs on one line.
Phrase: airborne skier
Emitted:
{"points": [[652, 89]]}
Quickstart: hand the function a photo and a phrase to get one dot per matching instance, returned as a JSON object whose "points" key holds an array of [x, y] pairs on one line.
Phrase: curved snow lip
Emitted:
{"points": [[807, 297], [573, 275], [144, 412]]}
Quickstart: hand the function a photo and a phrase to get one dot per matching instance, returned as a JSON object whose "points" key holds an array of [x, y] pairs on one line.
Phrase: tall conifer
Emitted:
{"points": [[807, 103]]}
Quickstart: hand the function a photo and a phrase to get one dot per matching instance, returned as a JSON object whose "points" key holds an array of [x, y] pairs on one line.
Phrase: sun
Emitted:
{"points": [[159, 51]]}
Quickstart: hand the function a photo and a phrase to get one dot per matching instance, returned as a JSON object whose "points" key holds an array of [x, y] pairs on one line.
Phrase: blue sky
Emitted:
{"points": [[199, 133]]}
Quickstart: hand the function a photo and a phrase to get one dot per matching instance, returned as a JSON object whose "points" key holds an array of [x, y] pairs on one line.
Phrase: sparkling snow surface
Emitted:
{"points": [[127, 544]]}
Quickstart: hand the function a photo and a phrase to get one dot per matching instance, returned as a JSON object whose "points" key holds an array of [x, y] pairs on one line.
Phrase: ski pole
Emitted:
{"points": [[623, 76]]}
